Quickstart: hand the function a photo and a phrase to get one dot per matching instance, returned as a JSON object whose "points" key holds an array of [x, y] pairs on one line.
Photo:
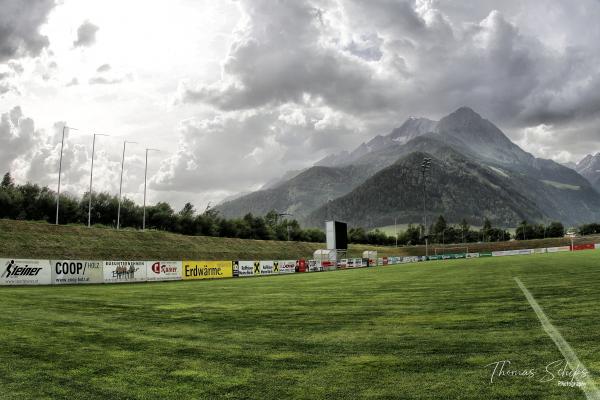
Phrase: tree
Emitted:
{"points": [[555, 229], [7, 181]]}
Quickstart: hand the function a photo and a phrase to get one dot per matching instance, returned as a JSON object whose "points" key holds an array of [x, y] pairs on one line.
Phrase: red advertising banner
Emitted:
{"points": [[578, 247]]}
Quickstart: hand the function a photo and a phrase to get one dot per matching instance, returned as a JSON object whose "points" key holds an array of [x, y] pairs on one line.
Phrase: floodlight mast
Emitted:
{"points": [[62, 145], [425, 166], [145, 180], [91, 178], [121, 182]]}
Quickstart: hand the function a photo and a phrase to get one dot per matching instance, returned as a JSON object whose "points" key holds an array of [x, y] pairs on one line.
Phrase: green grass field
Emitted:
{"points": [[420, 331]]}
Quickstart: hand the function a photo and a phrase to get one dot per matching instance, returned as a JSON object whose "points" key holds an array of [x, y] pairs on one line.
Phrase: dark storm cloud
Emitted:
{"points": [[86, 35], [19, 27], [521, 64]]}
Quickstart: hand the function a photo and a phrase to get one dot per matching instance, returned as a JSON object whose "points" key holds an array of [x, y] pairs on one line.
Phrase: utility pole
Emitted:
{"points": [[121, 183], [91, 178], [145, 179], [62, 145], [396, 229], [425, 165]]}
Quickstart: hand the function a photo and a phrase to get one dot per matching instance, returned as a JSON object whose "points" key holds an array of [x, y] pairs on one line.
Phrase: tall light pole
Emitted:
{"points": [[145, 177], [121, 182], [425, 165], [62, 145], [91, 177]]}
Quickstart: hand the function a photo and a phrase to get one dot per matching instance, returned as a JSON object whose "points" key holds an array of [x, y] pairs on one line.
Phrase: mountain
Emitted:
{"points": [[299, 195], [589, 168], [455, 187], [412, 128], [483, 160]]}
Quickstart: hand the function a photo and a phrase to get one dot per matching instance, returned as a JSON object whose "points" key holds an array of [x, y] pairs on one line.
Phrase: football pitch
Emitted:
{"points": [[432, 330]]}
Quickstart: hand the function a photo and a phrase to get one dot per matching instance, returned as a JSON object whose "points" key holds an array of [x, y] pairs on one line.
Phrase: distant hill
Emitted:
{"points": [[479, 153]]}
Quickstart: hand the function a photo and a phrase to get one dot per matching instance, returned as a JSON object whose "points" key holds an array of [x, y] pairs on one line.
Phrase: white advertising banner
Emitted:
{"points": [[472, 255], [124, 271], [287, 266], [246, 268], [268, 267], [539, 251], [25, 272], [411, 259], [68, 272], [163, 270]]}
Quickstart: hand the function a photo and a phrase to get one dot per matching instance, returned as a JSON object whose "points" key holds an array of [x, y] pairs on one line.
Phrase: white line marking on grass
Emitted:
{"points": [[588, 387]]}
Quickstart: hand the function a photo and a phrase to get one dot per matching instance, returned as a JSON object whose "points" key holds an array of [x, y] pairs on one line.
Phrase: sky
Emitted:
{"points": [[235, 93]]}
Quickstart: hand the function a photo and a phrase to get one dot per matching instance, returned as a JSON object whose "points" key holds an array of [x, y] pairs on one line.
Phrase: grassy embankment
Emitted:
{"points": [[23, 239]]}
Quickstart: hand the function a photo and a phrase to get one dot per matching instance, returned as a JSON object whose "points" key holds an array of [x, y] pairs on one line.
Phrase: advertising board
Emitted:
{"points": [[124, 271], [25, 272], [68, 272], [195, 270], [163, 270]]}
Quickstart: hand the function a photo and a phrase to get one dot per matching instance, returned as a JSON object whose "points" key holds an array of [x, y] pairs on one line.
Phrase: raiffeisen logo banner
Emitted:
{"points": [[244, 268], [124, 271], [66, 272], [207, 270], [163, 270], [25, 272], [269, 267]]}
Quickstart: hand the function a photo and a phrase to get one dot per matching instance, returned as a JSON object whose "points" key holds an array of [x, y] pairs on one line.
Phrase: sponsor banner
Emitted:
{"points": [[434, 258], [163, 270], [372, 262], [379, 261], [68, 272], [485, 254], [343, 263], [25, 272], [124, 271], [364, 262], [244, 268], [287, 266], [509, 253], [411, 259], [524, 252], [266, 267], [579, 247], [558, 249], [194, 270], [314, 266], [539, 251], [472, 255], [350, 263]]}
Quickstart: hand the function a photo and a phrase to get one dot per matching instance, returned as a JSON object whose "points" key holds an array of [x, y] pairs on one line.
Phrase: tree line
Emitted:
{"points": [[441, 232], [32, 202]]}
